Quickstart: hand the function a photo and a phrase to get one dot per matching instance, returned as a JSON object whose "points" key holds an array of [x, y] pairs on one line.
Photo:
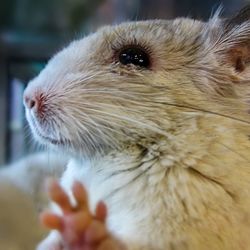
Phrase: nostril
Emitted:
{"points": [[30, 103]]}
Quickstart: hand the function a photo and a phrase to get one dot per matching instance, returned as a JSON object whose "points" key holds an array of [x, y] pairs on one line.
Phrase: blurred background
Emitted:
{"points": [[31, 31]]}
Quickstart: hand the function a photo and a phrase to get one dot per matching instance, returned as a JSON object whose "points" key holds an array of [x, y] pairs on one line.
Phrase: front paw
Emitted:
{"points": [[78, 227]]}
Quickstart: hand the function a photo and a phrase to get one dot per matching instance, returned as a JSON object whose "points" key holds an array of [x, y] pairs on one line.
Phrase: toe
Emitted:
{"points": [[80, 195], [101, 211], [51, 221], [59, 196]]}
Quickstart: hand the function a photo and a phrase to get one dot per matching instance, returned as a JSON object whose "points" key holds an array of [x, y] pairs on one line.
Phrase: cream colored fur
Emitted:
{"points": [[166, 148]]}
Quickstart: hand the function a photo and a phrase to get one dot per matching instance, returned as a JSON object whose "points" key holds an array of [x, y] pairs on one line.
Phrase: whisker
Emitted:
{"points": [[233, 151], [205, 111], [128, 119]]}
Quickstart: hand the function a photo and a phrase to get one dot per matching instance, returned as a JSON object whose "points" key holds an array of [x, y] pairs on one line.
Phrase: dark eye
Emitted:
{"points": [[135, 56]]}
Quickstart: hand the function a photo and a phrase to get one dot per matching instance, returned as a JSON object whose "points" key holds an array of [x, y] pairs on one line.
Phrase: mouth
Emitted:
{"points": [[49, 139], [46, 138]]}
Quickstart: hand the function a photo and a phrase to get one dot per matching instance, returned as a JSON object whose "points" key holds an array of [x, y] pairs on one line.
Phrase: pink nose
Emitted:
{"points": [[30, 102]]}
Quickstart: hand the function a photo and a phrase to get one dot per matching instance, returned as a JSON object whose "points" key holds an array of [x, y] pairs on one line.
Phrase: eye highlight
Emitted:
{"points": [[134, 55]]}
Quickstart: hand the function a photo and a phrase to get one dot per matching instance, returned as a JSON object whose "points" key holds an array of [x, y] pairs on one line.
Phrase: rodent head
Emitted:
{"points": [[140, 80]]}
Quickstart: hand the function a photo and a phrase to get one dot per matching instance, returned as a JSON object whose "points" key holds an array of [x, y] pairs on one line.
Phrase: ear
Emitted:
{"points": [[229, 41], [232, 39]]}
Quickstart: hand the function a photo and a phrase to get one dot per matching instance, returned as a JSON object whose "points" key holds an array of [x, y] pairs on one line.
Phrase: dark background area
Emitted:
{"points": [[33, 30]]}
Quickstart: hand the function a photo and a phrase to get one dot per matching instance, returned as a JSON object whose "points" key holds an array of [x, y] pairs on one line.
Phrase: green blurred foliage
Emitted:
{"points": [[45, 15]]}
